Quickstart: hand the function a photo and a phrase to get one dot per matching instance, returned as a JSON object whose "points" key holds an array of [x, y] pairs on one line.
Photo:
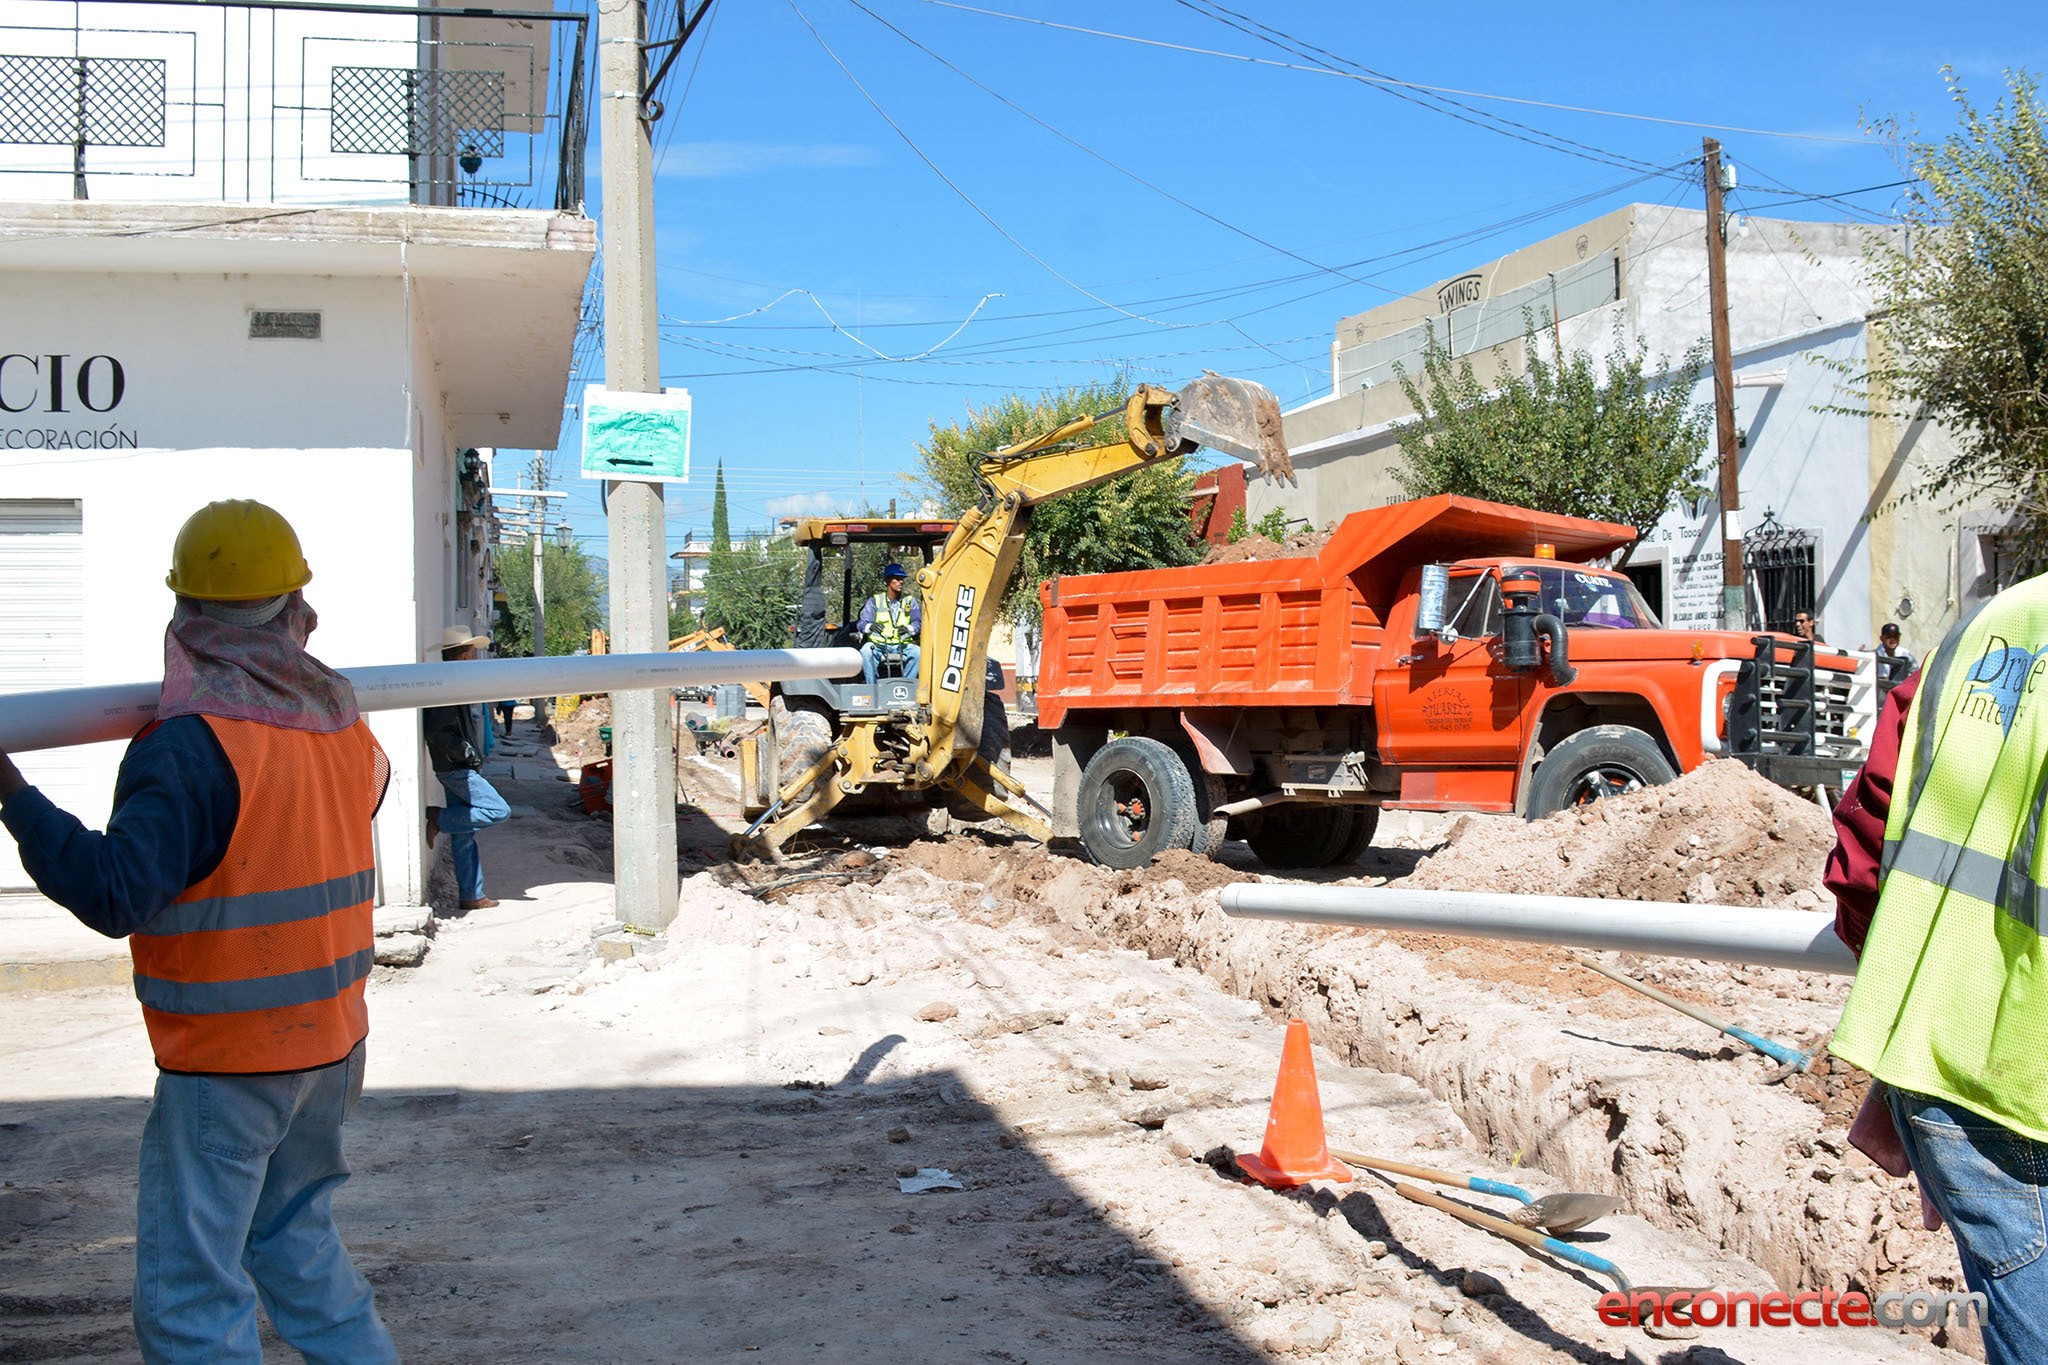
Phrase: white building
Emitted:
{"points": [[262, 303], [1822, 523]]}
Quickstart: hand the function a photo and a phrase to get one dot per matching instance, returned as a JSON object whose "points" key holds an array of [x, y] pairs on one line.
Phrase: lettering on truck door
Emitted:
{"points": [[1452, 703]]}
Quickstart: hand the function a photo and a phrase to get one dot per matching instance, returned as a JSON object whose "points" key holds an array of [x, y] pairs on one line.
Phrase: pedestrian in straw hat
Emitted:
{"points": [[454, 736]]}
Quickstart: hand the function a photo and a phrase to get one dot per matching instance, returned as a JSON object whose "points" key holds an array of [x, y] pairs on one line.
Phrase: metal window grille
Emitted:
{"points": [[1780, 562], [400, 111], [98, 101]]}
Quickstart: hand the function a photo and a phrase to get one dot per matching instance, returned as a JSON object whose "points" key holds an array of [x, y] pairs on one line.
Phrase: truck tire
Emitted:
{"points": [[1211, 830], [1298, 834], [1365, 822], [1607, 760], [1136, 801]]}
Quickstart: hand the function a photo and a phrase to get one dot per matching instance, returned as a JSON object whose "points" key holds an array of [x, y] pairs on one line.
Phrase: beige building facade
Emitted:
{"points": [[1822, 506]]}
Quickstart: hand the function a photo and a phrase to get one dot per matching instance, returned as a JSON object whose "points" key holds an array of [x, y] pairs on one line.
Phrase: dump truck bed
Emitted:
{"points": [[1302, 631]]}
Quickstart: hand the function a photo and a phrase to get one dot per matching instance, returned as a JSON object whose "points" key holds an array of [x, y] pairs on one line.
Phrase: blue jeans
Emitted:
{"points": [[1986, 1182], [473, 804], [235, 1204], [871, 663]]}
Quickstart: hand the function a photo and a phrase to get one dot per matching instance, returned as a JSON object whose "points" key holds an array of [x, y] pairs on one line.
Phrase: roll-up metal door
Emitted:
{"points": [[42, 636]]}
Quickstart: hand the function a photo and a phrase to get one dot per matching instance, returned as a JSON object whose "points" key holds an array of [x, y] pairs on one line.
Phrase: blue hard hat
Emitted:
{"points": [[894, 571]]}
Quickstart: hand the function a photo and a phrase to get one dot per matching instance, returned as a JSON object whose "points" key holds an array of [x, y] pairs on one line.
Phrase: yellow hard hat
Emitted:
{"points": [[236, 551]]}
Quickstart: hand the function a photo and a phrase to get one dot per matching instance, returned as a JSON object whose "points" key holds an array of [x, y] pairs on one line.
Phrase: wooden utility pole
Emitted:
{"points": [[1734, 597], [643, 729]]}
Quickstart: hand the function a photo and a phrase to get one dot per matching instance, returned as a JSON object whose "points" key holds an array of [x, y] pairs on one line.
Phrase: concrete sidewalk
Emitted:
{"points": [[43, 947]]}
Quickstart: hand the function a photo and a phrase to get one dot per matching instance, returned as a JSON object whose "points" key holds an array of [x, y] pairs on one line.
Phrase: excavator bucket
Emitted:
{"points": [[1235, 416]]}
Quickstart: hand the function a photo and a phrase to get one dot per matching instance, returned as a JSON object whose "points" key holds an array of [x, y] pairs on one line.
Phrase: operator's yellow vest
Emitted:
{"points": [[1951, 997], [892, 620]]}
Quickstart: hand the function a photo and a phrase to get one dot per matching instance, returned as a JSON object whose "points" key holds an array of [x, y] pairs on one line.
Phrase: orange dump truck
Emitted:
{"points": [[1442, 654]]}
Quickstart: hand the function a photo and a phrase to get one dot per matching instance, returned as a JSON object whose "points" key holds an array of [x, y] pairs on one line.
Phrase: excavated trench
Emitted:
{"points": [[1550, 1065]]}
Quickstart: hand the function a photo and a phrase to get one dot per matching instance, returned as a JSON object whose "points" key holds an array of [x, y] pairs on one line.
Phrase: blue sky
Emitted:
{"points": [[873, 215]]}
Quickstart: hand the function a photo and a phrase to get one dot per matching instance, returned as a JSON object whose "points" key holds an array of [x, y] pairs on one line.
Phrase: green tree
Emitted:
{"points": [[1559, 437], [751, 590], [1139, 521], [1963, 293], [721, 524], [575, 593], [681, 620]]}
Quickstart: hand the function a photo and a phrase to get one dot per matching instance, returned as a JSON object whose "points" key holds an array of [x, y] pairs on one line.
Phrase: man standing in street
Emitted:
{"points": [[238, 863], [455, 743], [1939, 873], [890, 622]]}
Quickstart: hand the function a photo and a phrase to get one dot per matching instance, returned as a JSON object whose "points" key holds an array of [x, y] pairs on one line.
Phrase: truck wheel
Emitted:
{"points": [[1299, 834], [1365, 822], [1136, 801], [1212, 831], [1607, 760]]}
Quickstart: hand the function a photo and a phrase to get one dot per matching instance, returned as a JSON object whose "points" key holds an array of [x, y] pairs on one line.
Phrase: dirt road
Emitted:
{"points": [[696, 1154]]}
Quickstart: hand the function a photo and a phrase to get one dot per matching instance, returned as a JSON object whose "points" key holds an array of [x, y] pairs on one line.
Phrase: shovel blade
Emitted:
{"points": [[1235, 416], [1558, 1214]]}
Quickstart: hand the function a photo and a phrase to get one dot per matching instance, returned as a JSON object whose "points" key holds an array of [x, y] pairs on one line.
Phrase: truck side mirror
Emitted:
{"points": [[1429, 604]]}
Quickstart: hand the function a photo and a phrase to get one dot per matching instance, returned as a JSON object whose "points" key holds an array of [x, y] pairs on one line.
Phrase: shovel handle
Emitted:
{"points": [[1478, 1184], [1515, 1233]]}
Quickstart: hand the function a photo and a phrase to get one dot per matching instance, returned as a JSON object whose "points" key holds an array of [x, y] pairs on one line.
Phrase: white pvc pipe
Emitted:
{"points": [[1802, 940], [88, 715]]}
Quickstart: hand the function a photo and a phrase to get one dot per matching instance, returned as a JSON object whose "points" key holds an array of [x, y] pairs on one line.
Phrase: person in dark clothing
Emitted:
{"points": [[455, 744]]}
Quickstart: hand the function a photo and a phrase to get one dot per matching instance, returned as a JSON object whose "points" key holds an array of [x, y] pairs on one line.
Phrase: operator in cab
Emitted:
{"points": [[889, 626]]}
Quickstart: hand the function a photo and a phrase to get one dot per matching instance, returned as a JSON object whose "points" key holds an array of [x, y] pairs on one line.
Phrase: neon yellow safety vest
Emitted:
{"points": [[1951, 997], [892, 620]]}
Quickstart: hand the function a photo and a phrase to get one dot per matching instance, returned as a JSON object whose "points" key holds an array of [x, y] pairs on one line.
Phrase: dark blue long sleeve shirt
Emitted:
{"points": [[176, 800]]}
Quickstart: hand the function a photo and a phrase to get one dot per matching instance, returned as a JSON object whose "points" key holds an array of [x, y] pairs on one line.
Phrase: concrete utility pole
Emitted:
{"points": [[1734, 597], [643, 735], [536, 518]]}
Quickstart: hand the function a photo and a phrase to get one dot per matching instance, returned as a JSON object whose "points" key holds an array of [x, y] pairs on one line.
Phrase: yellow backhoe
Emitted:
{"points": [[933, 742]]}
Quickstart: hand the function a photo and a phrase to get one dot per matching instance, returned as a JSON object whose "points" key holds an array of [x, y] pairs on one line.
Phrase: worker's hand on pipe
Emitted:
{"points": [[11, 780]]}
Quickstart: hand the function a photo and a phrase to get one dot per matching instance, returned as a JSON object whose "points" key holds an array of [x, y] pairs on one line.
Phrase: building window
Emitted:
{"points": [[1780, 563]]}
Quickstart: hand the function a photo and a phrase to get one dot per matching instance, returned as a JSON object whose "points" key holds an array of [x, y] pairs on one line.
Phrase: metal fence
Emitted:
{"points": [[294, 101]]}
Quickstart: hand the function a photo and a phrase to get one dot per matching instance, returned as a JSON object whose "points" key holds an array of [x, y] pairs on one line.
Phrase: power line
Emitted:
{"points": [[954, 186], [1407, 91], [1412, 85]]}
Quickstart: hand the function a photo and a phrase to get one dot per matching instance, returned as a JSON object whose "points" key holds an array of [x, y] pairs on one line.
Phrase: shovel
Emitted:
{"points": [[1557, 1214], [1514, 1232]]}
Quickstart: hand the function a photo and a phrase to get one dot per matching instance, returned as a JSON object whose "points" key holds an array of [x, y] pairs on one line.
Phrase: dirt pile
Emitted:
{"points": [[1257, 548], [1720, 835], [577, 737]]}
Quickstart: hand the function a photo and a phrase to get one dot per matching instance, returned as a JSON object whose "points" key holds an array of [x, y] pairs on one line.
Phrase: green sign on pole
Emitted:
{"points": [[643, 436]]}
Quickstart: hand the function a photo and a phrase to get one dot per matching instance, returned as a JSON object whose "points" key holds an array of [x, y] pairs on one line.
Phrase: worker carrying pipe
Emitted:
{"points": [[238, 863], [1938, 873]]}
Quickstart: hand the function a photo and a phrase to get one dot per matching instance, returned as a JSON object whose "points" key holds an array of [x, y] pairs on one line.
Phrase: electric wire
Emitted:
{"points": [[1412, 85], [957, 189], [1404, 90]]}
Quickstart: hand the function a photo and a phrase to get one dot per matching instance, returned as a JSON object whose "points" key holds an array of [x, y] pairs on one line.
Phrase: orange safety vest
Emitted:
{"points": [[260, 965]]}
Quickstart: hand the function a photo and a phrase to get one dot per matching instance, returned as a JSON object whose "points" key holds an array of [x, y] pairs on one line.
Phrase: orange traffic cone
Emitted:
{"points": [[1295, 1152]]}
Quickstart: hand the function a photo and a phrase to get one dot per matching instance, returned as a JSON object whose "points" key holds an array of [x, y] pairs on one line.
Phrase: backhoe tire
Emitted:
{"points": [[802, 735], [1365, 822], [994, 748], [1606, 760], [1299, 835], [1136, 801]]}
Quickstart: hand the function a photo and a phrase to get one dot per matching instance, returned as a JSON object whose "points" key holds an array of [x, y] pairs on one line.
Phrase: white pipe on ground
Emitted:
{"points": [[1802, 940], [88, 715]]}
